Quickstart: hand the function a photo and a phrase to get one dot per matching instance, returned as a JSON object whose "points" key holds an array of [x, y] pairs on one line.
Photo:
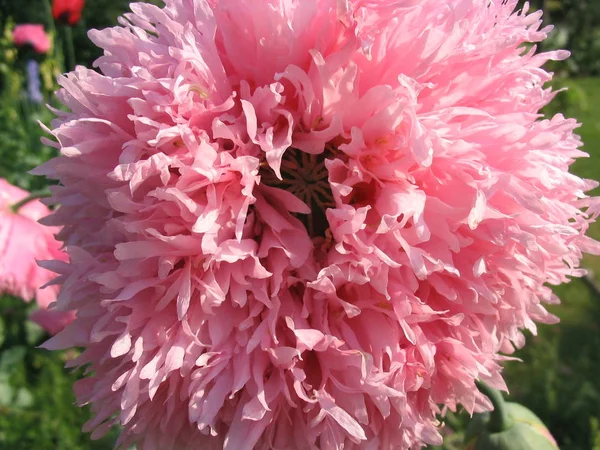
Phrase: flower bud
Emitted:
{"points": [[518, 428]]}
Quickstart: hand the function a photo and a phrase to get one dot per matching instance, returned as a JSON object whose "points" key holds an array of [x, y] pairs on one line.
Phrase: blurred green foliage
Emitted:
{"points": [[96, 14], [577, 29], [558, 379], [20, 148], [37, 405]]}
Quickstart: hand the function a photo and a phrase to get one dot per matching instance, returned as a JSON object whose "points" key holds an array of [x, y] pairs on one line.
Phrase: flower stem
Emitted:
{"points": [[70, 47], [56, 49], [499, 420], [35, 195]]}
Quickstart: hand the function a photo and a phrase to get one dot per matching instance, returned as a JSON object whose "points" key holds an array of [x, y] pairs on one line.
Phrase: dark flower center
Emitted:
{"points": [[65, 17], [305, 176]]}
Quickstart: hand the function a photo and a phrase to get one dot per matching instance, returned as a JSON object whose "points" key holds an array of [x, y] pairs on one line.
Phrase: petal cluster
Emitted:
{"points": [[211, 315], [23, 243]]}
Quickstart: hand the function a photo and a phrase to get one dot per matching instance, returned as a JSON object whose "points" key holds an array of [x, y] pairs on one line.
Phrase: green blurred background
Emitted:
{"points": [[559, 378]]}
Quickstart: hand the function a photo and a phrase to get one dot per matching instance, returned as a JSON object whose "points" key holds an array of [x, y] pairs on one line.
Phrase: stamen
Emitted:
{"points": [[305, 176]]}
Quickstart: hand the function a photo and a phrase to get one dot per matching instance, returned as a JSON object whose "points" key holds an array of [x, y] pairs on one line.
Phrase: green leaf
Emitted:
{"points": [[34, 333], [23, 399], [12, 357], [6, 393]]}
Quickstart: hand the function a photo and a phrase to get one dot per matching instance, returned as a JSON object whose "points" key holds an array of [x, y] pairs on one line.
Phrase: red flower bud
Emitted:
{"points": [[67, 11]]}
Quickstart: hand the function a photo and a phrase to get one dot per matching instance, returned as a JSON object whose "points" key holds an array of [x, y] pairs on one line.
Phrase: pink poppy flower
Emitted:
{"points": [[32, 34], [24, 242], [309, 224]]}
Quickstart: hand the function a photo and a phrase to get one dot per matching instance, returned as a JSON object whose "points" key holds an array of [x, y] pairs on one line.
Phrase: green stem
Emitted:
{"points": [[48, 8], [499, 420], [36, 195], [57, 51], [70, 47], [26, 116]]}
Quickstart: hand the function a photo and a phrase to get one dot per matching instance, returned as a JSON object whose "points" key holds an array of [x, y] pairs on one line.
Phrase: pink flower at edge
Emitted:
{"points": [[51, 320], [32, 34], [24, 242], [312, 224]]}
